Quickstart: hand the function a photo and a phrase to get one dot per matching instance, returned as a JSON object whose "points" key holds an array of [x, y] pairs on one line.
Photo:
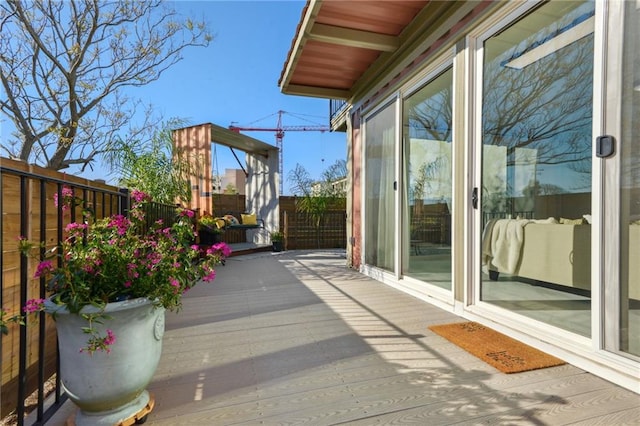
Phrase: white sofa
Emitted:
{"points": [[561, 254], [558, 254]]}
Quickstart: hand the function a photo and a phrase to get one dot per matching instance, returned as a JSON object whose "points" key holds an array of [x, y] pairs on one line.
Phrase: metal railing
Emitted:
{"points": [[25, 199], [157, 211], [30, 208], [336, 107]]}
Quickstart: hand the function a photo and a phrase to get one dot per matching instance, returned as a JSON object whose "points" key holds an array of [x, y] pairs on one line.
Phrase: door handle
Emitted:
{"points": [[605, 146], [474, 198]]}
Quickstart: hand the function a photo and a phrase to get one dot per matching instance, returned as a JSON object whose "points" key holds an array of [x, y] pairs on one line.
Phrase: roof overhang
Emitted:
{"points": [[342, 47], [223, 136], [232, 139]]}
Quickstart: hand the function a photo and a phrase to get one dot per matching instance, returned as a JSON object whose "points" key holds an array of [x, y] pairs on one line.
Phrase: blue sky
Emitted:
{"points": [[235, 79]]}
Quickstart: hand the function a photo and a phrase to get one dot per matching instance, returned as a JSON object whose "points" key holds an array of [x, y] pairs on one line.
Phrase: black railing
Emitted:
{"points": [[336, 107], [24, 200], [167, 213]]}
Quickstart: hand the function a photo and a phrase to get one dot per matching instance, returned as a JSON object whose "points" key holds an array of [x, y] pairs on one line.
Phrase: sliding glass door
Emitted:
{"points": [[427, 137], [622, 179], [537, 96], [380, 186]]}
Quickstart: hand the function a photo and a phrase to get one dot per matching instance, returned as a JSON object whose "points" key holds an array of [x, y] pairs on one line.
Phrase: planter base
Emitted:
{"points": [[133, 413]]}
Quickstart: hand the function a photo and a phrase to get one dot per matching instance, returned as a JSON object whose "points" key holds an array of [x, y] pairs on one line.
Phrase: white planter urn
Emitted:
{"points": [[109, 388]]}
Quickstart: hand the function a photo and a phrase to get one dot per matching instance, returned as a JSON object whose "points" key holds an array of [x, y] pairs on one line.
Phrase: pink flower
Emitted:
{"points": [[139, 196], [67, 198], [110, 339], [75, 225], [210, 276], [119, 222], [75, 229], [131, 271], [154, 258], [33, 305], [187, 213], [43, 268], [222, 248], [174, 282]]}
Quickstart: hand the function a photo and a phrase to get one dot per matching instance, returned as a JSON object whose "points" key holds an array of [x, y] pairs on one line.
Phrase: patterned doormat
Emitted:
{"points": [[504, 353]]}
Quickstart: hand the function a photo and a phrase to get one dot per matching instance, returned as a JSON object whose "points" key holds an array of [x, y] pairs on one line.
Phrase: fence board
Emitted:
{"points": [[302, 231]]}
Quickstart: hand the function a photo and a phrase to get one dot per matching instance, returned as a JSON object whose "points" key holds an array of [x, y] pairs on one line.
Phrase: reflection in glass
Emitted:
{"points": [[630, 186], [427, 196], [379, 166], [536, 165]]}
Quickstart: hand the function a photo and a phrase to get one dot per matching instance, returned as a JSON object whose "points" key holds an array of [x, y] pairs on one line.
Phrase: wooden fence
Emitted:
{"points": [[299, 228], [303, 231]]}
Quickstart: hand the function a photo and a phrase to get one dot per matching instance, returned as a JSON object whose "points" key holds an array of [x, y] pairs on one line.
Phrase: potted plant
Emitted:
{"points": [[110, 286], [277, 239], [209, 229]]}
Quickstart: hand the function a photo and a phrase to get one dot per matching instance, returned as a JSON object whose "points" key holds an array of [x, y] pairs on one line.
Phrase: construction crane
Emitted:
{"points": [[279, 130]]}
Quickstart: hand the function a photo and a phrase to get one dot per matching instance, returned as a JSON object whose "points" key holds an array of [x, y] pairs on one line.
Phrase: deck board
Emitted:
{"points": [[297, 338]]}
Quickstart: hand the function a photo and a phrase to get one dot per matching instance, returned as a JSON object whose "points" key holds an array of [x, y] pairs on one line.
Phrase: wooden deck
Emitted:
{"points": [[297, 338]]}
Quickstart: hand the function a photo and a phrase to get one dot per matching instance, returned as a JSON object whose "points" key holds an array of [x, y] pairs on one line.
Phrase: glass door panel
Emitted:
{"points": [[427, 127], [536, 165], [379, 167], [629, 152]]}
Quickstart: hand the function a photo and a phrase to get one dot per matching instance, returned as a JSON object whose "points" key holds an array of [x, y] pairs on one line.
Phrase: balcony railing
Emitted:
{"points": [[29, 208], [336, 107]]}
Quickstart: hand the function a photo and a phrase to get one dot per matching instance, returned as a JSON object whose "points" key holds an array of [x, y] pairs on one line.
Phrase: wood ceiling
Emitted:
{"points": [[336, 42]]}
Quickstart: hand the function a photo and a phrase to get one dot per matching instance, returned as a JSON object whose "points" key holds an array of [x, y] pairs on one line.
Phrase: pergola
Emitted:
{"points": [[262, 183]]}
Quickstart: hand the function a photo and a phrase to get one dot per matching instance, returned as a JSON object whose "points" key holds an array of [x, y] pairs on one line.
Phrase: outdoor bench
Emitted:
{"points": [[242, 221]]}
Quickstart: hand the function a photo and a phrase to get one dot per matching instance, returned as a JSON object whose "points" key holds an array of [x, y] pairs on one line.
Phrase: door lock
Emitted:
{"points": [[474, 198]]}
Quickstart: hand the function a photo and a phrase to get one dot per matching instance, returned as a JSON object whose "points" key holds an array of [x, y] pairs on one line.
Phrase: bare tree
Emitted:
{"points": [[301, 182], [522, 108], [431, 118], [63, 63], [545, 106]]}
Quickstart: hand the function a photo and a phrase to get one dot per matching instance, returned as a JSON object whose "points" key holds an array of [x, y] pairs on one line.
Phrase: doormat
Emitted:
{"points": [[504, 353]]}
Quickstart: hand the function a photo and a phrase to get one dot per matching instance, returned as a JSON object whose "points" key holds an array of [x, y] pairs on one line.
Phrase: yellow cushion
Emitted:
{"points": [[249, 219], [565, 221], [220, 222]]}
